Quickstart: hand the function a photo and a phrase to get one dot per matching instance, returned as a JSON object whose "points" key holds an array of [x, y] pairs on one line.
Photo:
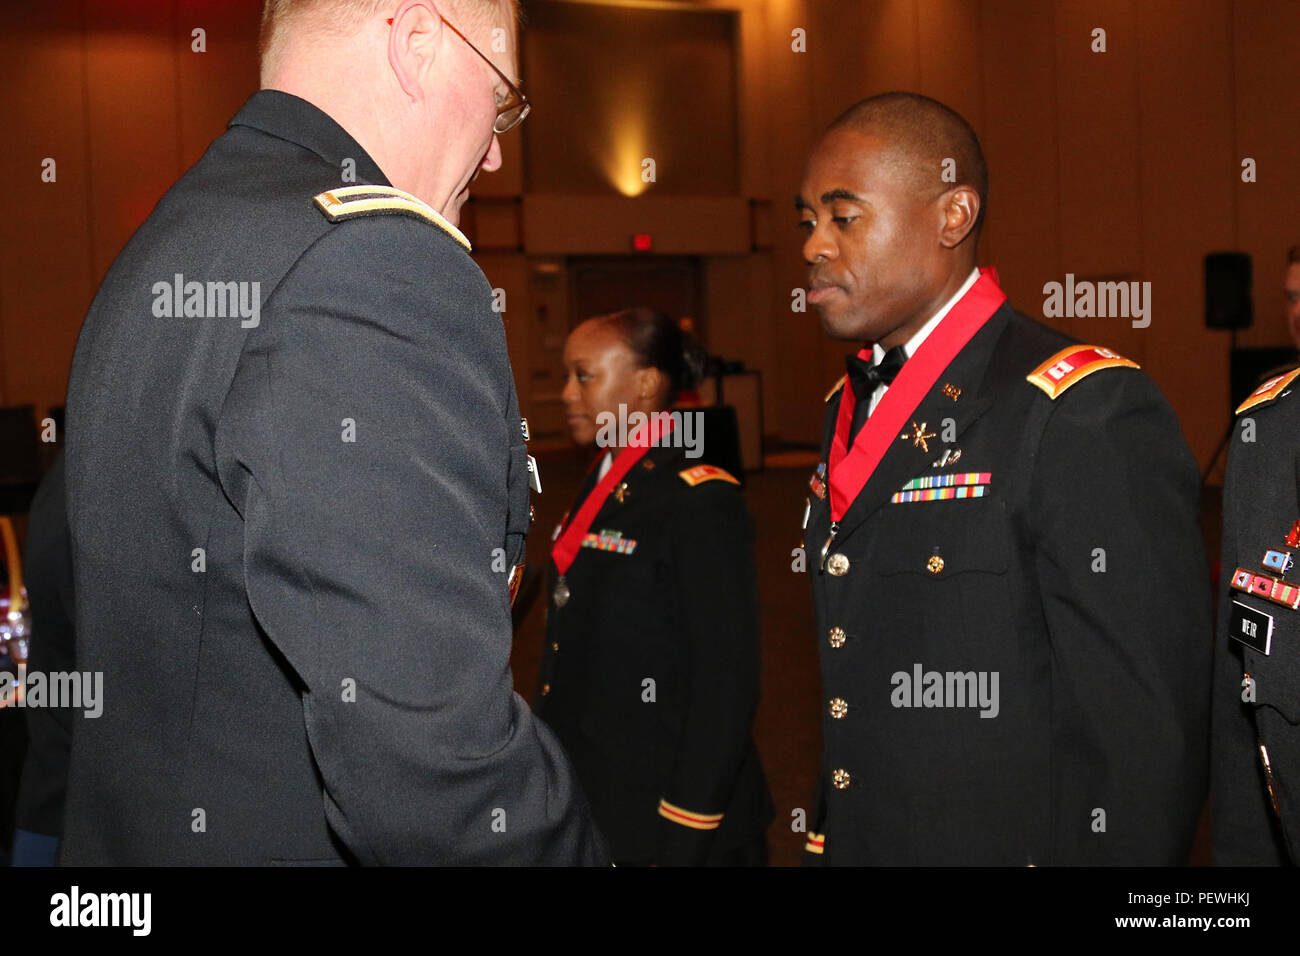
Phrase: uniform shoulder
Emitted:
{"points": [[1270, 391], [353, 202], [1055, 362]]}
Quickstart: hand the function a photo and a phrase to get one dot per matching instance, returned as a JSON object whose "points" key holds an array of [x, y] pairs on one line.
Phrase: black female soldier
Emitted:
{"points": [[650, 671]]}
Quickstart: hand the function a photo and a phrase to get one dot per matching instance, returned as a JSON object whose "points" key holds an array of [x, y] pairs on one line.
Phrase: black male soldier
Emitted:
{"points": [[1255, 804], [1011, 595], [294, 512]]}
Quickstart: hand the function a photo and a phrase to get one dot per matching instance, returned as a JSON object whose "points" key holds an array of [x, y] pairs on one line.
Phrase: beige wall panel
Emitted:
{"points": [[45, 267], [1097, 126], [1022, 238], [1188, 188], [1266, 39]]}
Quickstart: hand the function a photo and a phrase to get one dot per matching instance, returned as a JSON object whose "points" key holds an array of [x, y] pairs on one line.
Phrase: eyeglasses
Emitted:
{"points": [[510, 113]]}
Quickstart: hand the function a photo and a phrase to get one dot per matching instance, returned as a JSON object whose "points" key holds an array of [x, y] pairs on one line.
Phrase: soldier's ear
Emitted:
{"points": [[651, 385], [414, 32], [961, 208]]}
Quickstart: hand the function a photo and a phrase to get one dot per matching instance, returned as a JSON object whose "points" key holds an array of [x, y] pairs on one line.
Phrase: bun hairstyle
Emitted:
{"points": [[659, 342]]}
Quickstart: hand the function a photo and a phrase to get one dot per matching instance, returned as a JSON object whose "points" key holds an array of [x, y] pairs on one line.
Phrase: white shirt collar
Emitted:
{"points": [[606, 464], [921, 334]]}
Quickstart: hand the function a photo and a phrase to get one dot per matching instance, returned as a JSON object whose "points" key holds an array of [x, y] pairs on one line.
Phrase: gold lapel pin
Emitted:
{"points": [[918, 436]]}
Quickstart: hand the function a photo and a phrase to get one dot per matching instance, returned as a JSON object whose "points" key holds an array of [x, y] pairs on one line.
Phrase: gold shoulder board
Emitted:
{"points": [[1072, 365], [349, 202], [1269, 391], [702, 473]]}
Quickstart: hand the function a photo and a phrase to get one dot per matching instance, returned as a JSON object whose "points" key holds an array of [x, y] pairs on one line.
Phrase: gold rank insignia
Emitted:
{"points": [[1270, 390], [1072, 365], [702, 473], [350, 202]]}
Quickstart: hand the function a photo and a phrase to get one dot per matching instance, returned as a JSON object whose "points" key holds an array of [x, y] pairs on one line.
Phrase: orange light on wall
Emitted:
{"points": [[624, 158]]}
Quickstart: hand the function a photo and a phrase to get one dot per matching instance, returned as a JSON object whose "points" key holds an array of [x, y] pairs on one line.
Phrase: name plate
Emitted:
{"points": [[1253, 628]]}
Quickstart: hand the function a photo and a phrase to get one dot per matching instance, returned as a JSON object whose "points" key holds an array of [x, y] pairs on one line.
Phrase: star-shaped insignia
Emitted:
{"points": [[621, 491], [918, 436]]}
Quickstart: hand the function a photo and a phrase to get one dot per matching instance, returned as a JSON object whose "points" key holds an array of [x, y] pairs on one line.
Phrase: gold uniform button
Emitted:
{"points": [[555, 646], [546, 689], [837, 564], [841, 779], [839, 707], [935, 564], [837, 637]]}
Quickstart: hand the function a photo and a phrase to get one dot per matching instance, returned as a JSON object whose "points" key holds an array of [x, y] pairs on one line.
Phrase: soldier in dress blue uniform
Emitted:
{"points": [[1010, 587], [292, 523], [651, 665], [1255, 806]]}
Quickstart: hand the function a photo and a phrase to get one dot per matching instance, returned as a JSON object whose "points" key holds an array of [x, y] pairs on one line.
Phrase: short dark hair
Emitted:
{"points": [[658, 341], [927, 133], [1293, 255]]}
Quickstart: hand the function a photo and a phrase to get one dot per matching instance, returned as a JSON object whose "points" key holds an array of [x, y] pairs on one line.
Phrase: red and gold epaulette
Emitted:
{"points": [[689, 818], [1270, 390], [1072, 365], [702, 473], [839, 383]]}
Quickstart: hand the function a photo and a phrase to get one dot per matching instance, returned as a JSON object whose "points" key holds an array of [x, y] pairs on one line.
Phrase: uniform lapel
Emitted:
{"points": [[909, 457], [653, 466], [828, 421]]}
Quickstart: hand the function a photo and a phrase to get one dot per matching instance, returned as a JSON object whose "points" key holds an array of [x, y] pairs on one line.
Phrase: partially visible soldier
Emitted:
{"points": [[47, 570], [1255, 808], [1291, 311]]}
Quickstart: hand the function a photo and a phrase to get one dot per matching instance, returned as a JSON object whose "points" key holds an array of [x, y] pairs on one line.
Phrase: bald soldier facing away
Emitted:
{"points": [[1011, 594], [297, 479]]}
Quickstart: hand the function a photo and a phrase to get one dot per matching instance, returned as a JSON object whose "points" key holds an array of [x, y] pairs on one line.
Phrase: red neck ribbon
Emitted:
{"points": [[567, 545], [850, 470]]}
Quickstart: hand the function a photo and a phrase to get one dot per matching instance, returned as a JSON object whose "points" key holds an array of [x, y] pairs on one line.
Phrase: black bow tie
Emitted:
{"points": [[866, 378]]}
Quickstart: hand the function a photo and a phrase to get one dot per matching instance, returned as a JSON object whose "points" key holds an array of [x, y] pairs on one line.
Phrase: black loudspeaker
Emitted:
{"points": [[1227, 291]]}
